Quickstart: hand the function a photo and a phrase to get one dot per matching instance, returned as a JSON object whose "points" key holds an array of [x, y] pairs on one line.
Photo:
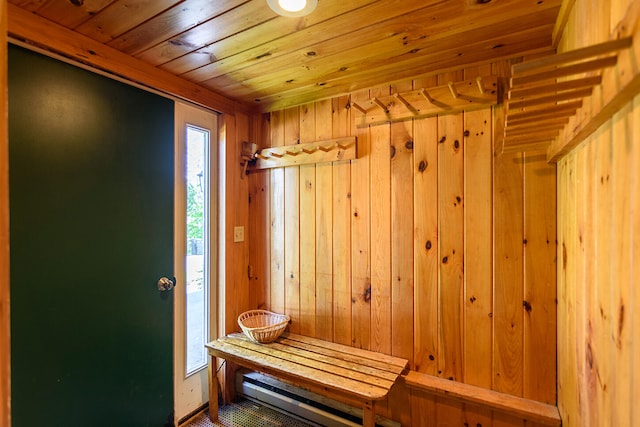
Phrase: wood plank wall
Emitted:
{"points": [[598, 219], [426, 247]]}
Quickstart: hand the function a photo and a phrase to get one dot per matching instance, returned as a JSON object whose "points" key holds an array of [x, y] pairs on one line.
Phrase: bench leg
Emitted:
{"points": [[213, 390], [369, 414]]}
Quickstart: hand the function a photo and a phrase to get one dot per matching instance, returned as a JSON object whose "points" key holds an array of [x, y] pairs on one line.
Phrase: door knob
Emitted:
{"points": [[166, 284]]}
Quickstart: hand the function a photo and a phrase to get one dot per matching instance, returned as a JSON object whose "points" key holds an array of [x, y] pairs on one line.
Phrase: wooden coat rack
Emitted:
{"points": [[330, 150], [426, 102], [545, 93]]}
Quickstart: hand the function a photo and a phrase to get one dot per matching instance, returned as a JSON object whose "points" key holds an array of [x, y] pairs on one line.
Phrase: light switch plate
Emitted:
{"points": [[238, 234]]}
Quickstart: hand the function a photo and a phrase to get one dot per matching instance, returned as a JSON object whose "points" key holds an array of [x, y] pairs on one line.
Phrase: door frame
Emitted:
{"points": [[191, 394]]}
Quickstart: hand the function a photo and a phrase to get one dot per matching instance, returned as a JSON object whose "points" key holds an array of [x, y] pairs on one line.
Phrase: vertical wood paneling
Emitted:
{"points": [[380, 237], [580, 293], [450, 254], [588, 395], [540, 278], [603, 219], [620, 260], [341, 120], [402, 314], [240, 214], [634, 312], [451, 208], [402, 236], [478, 252], [308, 227], [425, 189], [258, 231], [236, 297], [361, 233], [430, 226], [276, 186], [508, 275], [292, 224], [324, 230], [597, 373]]}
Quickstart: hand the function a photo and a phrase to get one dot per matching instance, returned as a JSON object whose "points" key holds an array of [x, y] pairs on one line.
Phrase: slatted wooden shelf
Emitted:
{"points": [[545, 93], [478, 93]]}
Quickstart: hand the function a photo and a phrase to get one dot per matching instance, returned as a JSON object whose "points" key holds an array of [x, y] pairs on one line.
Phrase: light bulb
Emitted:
{"points": [[292, 5], [292, 8]]}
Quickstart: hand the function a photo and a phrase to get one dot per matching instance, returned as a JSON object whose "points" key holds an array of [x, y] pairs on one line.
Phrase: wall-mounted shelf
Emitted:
{"points": [[544, 94], [330, 150], [450, 98]]}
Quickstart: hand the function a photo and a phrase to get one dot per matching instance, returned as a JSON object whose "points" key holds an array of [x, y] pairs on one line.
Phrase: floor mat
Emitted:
{"points": [[246, 413]]}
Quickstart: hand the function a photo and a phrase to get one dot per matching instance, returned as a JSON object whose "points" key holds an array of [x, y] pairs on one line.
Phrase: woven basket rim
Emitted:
{"points": [[264, 333]]}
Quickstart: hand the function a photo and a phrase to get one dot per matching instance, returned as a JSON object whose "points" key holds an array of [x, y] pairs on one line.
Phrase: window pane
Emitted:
{"points": [[197, 180]]}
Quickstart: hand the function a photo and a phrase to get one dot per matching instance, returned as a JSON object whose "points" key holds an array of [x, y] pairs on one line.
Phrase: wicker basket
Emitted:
{"points": [[263, 326]]}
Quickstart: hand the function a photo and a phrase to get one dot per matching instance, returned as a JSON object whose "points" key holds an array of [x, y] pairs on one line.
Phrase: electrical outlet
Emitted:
{"points": [[238, 234]]}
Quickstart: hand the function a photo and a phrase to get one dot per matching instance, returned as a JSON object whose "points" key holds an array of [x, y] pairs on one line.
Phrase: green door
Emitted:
{"points": [[91, 203]]}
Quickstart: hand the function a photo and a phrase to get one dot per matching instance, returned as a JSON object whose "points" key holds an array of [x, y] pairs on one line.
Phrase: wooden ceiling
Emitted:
{"points": [[244, 51]]}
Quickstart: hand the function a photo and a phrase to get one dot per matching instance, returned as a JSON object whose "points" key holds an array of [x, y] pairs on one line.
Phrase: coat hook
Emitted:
{"points": [[326, 149], [453, 90], [342, 146], [403, 101], [426, 95], [276, 155], [292, 152], [380, 104], [480, 85], [358, 107], [261, 157], [309, 150]]}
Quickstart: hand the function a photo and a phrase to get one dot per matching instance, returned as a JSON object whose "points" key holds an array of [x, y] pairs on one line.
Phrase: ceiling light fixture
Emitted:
{"points": [[292, 8]]}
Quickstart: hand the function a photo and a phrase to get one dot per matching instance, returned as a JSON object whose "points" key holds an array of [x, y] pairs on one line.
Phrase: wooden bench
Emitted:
{"points": [[527, 409], [355, 376]]}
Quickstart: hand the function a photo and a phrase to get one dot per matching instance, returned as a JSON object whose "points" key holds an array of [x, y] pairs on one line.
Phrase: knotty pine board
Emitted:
{"points": [[580, 295], [587, 211], [478, 253], [324, 229], [259, 230], [478, 294], [451, 231], [425, 246], [341, 229], [402, 237], [604, 219], [380, 234], [292, 224], [622, 144], [540, 277], [635, 262], [361, 234], [307, 190], [277, 212], [509, 275]]}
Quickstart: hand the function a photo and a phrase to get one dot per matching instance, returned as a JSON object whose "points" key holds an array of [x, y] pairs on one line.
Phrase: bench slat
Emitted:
{"points": [[332, 362], [372, 367], [284, 353], [270, 364], [392, 364]]}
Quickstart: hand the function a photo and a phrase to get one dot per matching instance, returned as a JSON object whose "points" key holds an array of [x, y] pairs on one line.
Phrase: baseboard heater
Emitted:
{"points": [[301, 404]]}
